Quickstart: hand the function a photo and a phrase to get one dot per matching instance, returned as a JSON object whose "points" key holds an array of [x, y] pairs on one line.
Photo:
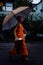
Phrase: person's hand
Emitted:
{"points": [[16, 38], [26, 32]]}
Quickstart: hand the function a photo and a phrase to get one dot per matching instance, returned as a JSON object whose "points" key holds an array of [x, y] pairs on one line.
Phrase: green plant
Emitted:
{"points": [[22, 2]]}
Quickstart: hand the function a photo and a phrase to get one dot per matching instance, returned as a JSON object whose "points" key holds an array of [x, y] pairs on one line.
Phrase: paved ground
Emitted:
{"points": [[35, 54]]}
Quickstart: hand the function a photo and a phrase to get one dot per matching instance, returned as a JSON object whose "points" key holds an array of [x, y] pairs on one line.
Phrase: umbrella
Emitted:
{"points": [[10, 20]]}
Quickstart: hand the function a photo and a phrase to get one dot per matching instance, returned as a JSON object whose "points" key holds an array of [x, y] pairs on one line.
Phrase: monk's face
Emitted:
{"points": [[19, 19]]}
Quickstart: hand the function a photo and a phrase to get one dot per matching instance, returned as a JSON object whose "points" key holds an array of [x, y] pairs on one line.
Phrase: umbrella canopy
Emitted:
{"points": [[10, 20]]}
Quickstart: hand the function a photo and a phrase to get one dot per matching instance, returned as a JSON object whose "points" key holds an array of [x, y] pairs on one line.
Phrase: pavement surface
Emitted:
{"points": [[35, 54]]}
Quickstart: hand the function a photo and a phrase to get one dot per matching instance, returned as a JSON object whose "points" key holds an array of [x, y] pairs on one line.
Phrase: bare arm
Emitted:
{"points": [[24, 31]]}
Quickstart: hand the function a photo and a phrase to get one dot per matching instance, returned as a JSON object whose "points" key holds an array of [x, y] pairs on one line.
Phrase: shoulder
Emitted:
{"points": [[20, 24]]}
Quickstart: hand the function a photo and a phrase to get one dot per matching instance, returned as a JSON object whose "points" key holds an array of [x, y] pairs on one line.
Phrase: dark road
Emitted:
{"points": [[35, 54]]}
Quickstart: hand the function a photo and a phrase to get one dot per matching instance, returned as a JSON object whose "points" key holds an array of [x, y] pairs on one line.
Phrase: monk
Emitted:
{"points": [[20, 47]]}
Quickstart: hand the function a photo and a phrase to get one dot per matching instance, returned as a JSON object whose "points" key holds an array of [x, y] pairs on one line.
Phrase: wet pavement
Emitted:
{"points": [[35, 54]]}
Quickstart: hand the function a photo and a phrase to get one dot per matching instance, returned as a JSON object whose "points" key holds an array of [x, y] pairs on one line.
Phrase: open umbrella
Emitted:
{"points": [[10, 20]]}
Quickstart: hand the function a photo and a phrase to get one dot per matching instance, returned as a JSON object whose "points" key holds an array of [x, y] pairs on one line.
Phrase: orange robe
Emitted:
{"points": [[22, 49]]}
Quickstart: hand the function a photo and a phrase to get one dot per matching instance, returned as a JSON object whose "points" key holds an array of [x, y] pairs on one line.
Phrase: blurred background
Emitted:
{"points": [[33, 23]]}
